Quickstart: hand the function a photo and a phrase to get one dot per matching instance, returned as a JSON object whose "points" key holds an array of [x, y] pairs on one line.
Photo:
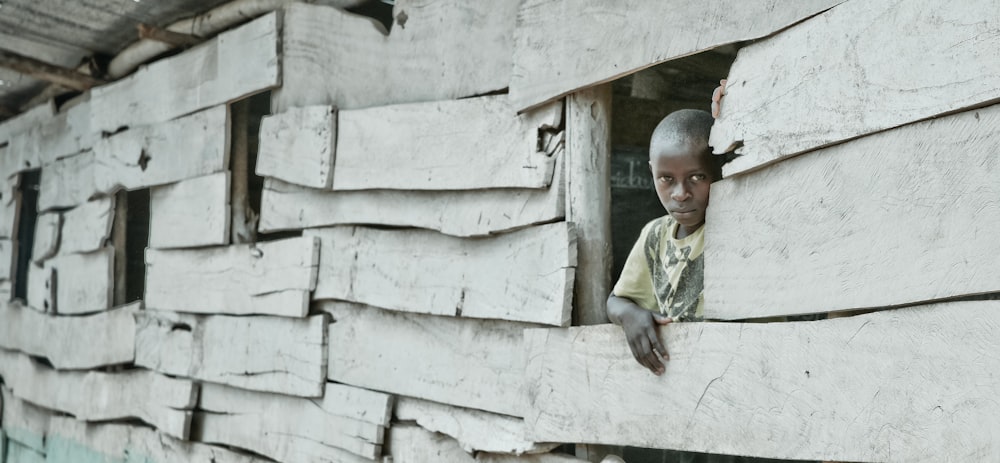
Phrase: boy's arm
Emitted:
{"points": [[639, 325]]}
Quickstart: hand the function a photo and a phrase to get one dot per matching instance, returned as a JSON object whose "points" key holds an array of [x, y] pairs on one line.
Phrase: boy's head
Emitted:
{"points": [[683, 166]]}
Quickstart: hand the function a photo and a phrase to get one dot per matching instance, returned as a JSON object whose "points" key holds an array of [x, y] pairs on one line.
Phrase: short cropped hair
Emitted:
{"points": [[689, 127]]}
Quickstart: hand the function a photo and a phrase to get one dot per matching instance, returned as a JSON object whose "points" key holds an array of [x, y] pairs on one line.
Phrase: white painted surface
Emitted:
{"points": [[190, 213], [297, 146]]}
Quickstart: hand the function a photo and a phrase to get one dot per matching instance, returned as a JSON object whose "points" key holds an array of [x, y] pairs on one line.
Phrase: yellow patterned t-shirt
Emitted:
{"points": [[665, 274]]}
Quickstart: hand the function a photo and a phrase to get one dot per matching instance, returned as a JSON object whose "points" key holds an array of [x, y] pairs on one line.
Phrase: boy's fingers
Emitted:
{"points": [[654, 341], [647, 356], [662, 319], [722, 85]]}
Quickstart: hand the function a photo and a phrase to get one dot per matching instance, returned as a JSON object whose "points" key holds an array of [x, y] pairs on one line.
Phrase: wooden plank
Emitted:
{"points": [[46, 242], [922, 207], [298, 145], [556, 49], [184, 148], [23, 422], [41, 289], [190, 213], [525, 275], [588, 199], [64, 134], [67, 182], [474, 143], [6, 258], [9, 199], [429, 357], [26, 120], [474, 430], [284, 428], [87, 227], [942, 64], [410, 443], [435, 51], [150, 397], [842, 389], [17, 453], [235, 64], [273, 354], [84, 282], [74, 441], [536, 458], [271, 278], [359, 404], [458, 213], [68, 342]]}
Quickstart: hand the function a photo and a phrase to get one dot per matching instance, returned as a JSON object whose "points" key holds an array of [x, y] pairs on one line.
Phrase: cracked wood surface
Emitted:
{"points": [[269, 278], [457, 213], [469, 363], [297, 146], [68, 342], [899, 217], [899, 385], [896, 62], [474, 143], [529, 278], [557, 52], [86, 228], [288, 428], [67, 182], [190, 213], [274, 354], [95, 396], [234, 64], [436, 50], [46, 242], [410, 443]]}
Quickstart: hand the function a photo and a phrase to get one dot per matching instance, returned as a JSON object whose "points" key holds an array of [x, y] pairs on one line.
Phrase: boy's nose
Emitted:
{"points": [[679, 193]]}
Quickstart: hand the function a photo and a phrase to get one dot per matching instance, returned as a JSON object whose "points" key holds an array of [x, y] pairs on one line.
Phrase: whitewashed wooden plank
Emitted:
{"points": [[535, 458], [298, 145], [235, 64], [786, 96], [84, 282], [529, 277], [26, 120], [190, 213], [820, 242], [561, 46], [284, 428], [359, 404], [64, 134], [68, 342], [9, 198], [41, 291], [74, 441], [410, 443], [429, 357], [180, 149], [902, 385], [475, 430], [23, 422], [46, 243], [6, 258], [273, 354], [474, 143], [458, 213], [17, 453], [150, 397], [87, 227], [270, 278], [67, 182], [436, 50]]}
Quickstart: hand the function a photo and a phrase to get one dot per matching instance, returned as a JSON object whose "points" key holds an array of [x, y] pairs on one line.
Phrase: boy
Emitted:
{"points": [[662, 279]]}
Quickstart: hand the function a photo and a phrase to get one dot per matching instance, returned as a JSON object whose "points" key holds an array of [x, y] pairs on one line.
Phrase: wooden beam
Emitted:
{"points": [[804, 236], [530, 277], [69, 78], [190, 213], [784, 97], [435, 364], [243, 223], [176, 39], [556, 49]]}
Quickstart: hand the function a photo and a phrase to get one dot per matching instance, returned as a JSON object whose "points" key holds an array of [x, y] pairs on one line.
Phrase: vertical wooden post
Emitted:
{"points": [[118, 241], [241, 225], [588, 199]]}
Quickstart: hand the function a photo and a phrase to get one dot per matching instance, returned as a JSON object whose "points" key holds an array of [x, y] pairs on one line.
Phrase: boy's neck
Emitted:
{"points": [[683, 232]]}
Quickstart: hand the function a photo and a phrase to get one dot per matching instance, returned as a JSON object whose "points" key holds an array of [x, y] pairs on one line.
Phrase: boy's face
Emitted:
{"points": [[682, 182]]}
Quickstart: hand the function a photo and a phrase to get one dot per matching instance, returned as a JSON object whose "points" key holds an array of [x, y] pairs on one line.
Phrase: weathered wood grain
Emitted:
{"points": [[152, 398], [896, 63], [525, 275], [74, 441], [86, 228], [359, 404], [457, 213], [435, 51], [236, 63], [474, 143], [190, 213], [67, 182], [46, 242], [180, 149], [64, 134], [470, 363], [901, 385], [284, 428], [561, 46], [271, 278], [84, 282], [23, 422], [898, 217], [274, 354], [297, 146], [409, 443], [69, 342], [474, 430]]}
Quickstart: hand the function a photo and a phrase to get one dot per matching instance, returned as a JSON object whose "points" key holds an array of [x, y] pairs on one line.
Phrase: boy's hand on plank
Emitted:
{"points": [[717, 95], [640, 331]]}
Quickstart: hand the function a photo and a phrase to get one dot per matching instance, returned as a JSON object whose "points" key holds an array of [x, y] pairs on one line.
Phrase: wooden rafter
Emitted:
{"points": [[166, 36], [47, 72]]}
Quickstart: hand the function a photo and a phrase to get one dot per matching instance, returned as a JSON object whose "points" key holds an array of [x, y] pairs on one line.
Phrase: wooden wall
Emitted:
{"points": [[434, 215]]}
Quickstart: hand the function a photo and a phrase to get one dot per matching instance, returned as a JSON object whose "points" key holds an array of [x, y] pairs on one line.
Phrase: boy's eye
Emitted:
{"points": [[698, 177], [664, 179]]}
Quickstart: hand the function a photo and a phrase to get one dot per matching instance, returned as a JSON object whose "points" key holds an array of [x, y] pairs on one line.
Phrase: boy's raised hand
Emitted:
{"points": [[717, 95], [640, 331]]}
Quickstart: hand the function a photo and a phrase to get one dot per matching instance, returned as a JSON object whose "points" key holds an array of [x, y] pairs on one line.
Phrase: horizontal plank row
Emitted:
{"points": [[83, 229], [410, 443], [901, 385], [66, 133], [24, 422], [26, 120], [73, 284]]}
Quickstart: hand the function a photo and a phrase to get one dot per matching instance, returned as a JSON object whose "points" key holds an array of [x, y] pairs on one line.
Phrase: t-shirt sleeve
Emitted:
{"points": [[636, 282]]}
